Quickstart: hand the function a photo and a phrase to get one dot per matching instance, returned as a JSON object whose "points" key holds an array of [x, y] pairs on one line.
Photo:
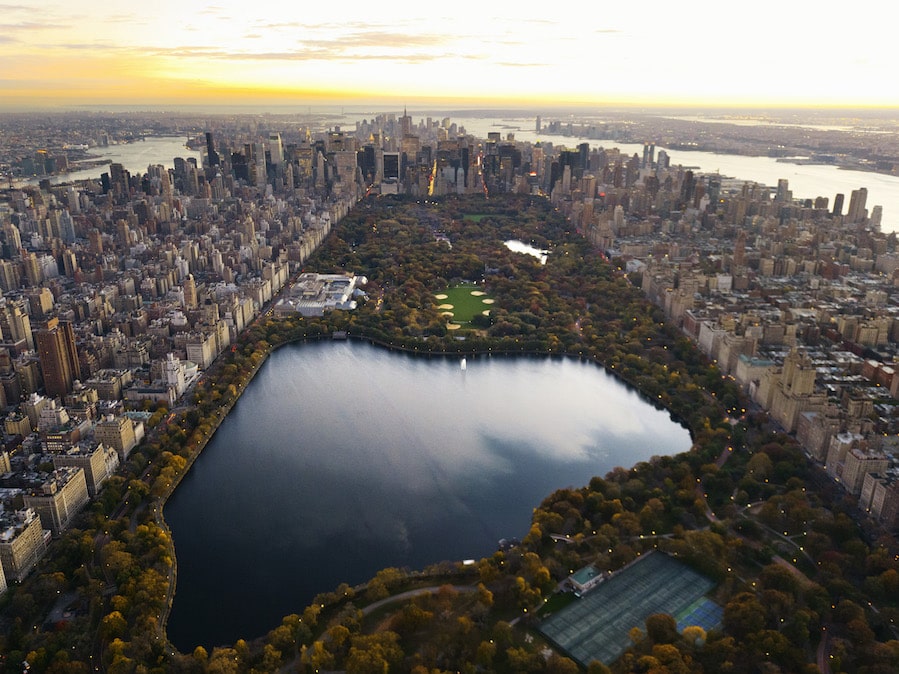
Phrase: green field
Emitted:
{"points": [[464, 305]]}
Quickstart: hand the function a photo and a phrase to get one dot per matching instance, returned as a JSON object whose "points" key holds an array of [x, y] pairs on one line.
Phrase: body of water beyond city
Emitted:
{"points": [[806, 181], [342, 458]]}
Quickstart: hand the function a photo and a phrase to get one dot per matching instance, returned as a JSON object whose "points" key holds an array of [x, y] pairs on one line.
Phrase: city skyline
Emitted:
{"points": [[69, 55]]}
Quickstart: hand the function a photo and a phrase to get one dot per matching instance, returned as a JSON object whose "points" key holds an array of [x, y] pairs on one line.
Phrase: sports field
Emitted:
{"points": [[462, 303], [596, 626]]}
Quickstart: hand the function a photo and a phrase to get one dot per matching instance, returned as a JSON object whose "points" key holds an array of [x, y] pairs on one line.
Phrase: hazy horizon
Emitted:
{"points": [[457, 109]]}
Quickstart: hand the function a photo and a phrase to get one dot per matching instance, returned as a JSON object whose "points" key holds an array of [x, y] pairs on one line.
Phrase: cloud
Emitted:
{"points": [[379, 39], [29, 25], [313, 54], [510, 64], [129, 19], [380, 45], [88, 46]]}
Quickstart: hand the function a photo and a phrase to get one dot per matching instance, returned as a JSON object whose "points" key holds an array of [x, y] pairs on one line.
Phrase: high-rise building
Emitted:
{"points": [[663, 161], [10, 276], [58, 356], [212, 155], [876, 218], [783, 190], [276, 148], [98, 463], [32, 268], [190, 292], [118, 433], [22, 542], [15, 324], [391, 162], [649, 151], [838, 205], [12, 238], [60, 498], [857, 211]]}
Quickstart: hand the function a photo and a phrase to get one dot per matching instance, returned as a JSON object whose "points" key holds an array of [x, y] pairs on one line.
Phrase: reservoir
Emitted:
{"points": [[342, 458]]}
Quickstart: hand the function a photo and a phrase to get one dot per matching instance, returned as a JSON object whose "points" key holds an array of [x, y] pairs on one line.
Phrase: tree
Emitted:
{"points": [[661, 628], [744, 615], [200, 655], [556, 664], [113, 626], [317, 657], [694, 635], [373, 653]]}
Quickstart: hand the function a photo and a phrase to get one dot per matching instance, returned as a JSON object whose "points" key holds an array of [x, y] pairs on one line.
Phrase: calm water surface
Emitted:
{"points": [[135, 157], [343, 458]]}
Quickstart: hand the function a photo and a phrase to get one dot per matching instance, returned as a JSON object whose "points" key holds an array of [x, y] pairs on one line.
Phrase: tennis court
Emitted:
{"points": [[596, 626]]}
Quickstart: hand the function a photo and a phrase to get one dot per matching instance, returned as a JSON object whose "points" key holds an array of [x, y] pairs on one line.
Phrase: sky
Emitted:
{"points": [[480, 53]]}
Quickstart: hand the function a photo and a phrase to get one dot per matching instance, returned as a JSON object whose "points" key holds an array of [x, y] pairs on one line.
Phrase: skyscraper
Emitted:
{"points": [[58, 356], [15, 324], [210, 150], [838, 204], [276, 148], [405, 124], [783, 190], [649, 151], [857, 199], [190, 292]]}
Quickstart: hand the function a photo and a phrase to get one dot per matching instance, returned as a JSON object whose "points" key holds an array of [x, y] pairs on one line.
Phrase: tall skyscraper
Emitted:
{"points": [[58, 357], [649, 151], [783, 190], [405, 124], [32, 269], [190, 292], [15, 324], [857, 211], [876, 218], [276, 149], [838, 205], [213, 156], [663, 161]]}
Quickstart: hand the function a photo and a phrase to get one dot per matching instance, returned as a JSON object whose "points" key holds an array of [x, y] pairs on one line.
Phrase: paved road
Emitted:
{"points": [[402, 596]]}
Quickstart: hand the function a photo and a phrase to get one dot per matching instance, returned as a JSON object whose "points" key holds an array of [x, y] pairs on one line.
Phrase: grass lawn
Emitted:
{"points": [[474, 217], [465, 305]]}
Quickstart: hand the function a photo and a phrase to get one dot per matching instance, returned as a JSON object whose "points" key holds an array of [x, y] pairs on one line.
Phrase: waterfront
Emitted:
{"points": [[135, 157], [806, 181], [342, 459]]}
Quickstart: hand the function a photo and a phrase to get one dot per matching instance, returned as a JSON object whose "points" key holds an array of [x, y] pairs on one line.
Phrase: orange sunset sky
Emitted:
{"points": [[764, 53]]}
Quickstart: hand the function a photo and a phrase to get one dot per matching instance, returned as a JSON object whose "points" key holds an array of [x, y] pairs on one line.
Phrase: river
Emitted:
{"points": [[343, 458], [135, 157], [806, 181]]}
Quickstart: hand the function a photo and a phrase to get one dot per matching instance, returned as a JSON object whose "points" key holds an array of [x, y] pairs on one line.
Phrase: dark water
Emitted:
{"points": [[343, 458]]}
